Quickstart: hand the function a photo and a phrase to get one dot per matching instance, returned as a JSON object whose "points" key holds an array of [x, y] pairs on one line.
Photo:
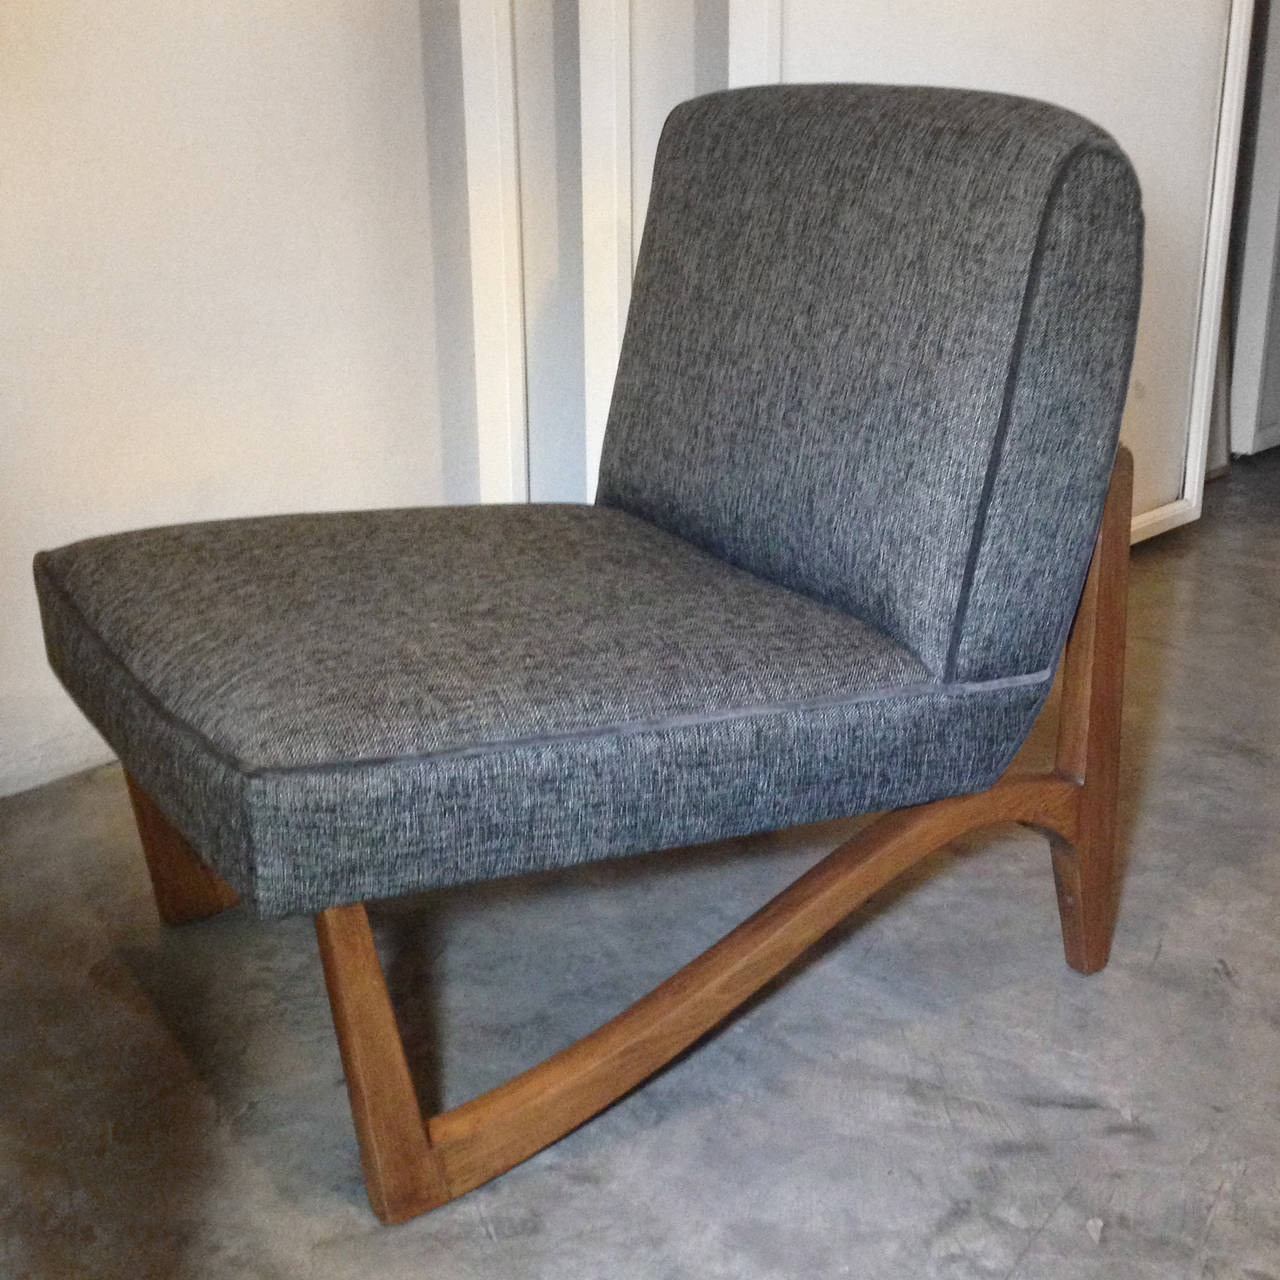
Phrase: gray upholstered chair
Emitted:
{"points": [[855, 467]]}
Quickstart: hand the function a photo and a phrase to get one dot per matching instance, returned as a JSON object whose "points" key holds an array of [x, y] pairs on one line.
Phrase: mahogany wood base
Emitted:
{"points": [[185, 888], [411, 1164]]}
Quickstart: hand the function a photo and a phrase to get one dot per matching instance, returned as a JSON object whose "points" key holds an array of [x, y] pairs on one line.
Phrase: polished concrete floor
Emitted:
{"points": [[932, 1094]]}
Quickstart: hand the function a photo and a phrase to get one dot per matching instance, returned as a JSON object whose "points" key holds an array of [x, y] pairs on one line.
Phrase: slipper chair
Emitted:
{"points": [[861, 454]]}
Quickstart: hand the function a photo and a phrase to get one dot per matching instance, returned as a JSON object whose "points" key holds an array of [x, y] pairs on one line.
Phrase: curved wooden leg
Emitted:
{"points": [[1089, 736], [185, 888], [401, 1172], [411, 1166]]}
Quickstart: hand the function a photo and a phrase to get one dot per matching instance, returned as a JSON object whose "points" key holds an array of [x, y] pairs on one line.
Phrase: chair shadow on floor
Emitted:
{"points": [[489, 979], [110, 1127]]}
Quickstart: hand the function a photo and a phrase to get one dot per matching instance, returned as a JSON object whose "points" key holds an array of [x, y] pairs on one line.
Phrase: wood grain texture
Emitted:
{"points": [[401, 1173], [1084, 868], [185, 888]]}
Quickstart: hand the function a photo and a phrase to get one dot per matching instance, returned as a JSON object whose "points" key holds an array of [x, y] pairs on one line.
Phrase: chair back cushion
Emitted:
{"points": [[877, 352]]}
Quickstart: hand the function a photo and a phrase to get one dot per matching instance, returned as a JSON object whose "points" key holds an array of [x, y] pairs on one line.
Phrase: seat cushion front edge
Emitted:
{"points": [[351, 833], [301, 839], [199, 789]]}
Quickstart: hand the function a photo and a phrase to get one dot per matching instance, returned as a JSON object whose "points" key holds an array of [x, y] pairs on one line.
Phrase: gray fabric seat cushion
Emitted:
{"points": [[346, 706]]}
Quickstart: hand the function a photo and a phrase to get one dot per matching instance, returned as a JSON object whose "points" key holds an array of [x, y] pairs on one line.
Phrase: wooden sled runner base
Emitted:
{"points": [[411, 1165]]}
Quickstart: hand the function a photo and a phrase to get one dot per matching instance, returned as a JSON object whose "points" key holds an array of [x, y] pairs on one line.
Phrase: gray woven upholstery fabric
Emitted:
{"points": [[877, 349], [337, 707], [865, 412]]}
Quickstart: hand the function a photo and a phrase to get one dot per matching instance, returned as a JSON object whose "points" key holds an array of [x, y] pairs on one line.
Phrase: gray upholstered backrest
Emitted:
{"points": [[877, 351]]}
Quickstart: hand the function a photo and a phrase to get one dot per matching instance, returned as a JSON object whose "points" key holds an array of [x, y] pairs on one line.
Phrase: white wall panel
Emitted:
{"points": [[1152, 73], [487, 39], [551, 216], [678, 50], [215, 242]]}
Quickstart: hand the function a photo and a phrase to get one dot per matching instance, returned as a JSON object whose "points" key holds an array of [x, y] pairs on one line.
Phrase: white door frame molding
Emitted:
{"points": [[1187, 505], [1252, 415], [604, 44], [755, 42], [497, 286]]}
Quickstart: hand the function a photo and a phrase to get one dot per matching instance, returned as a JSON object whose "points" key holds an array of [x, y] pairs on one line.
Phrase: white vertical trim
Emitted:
{"points": [[497, 288], [755, 42], [1256, 319], [604, 43], [756, 55], [1221, 195]]}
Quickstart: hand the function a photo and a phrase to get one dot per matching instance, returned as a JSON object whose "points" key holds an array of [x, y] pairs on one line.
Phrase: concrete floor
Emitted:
{"points": [[932, 1094]]}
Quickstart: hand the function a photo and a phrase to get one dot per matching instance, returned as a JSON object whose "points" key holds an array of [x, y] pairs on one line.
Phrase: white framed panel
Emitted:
{"points": [[604, 44], [497, 292], [1103, 74], [1167, 81], [755, 42], [1255, 368], [639, 58], [1214, 282]]}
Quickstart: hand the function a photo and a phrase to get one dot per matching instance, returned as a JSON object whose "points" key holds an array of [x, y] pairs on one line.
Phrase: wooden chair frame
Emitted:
{"points": [[411, 1164]]}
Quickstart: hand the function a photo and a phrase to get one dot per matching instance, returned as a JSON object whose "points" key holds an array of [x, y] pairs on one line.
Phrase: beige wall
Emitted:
{"points": [[218, 294]]}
